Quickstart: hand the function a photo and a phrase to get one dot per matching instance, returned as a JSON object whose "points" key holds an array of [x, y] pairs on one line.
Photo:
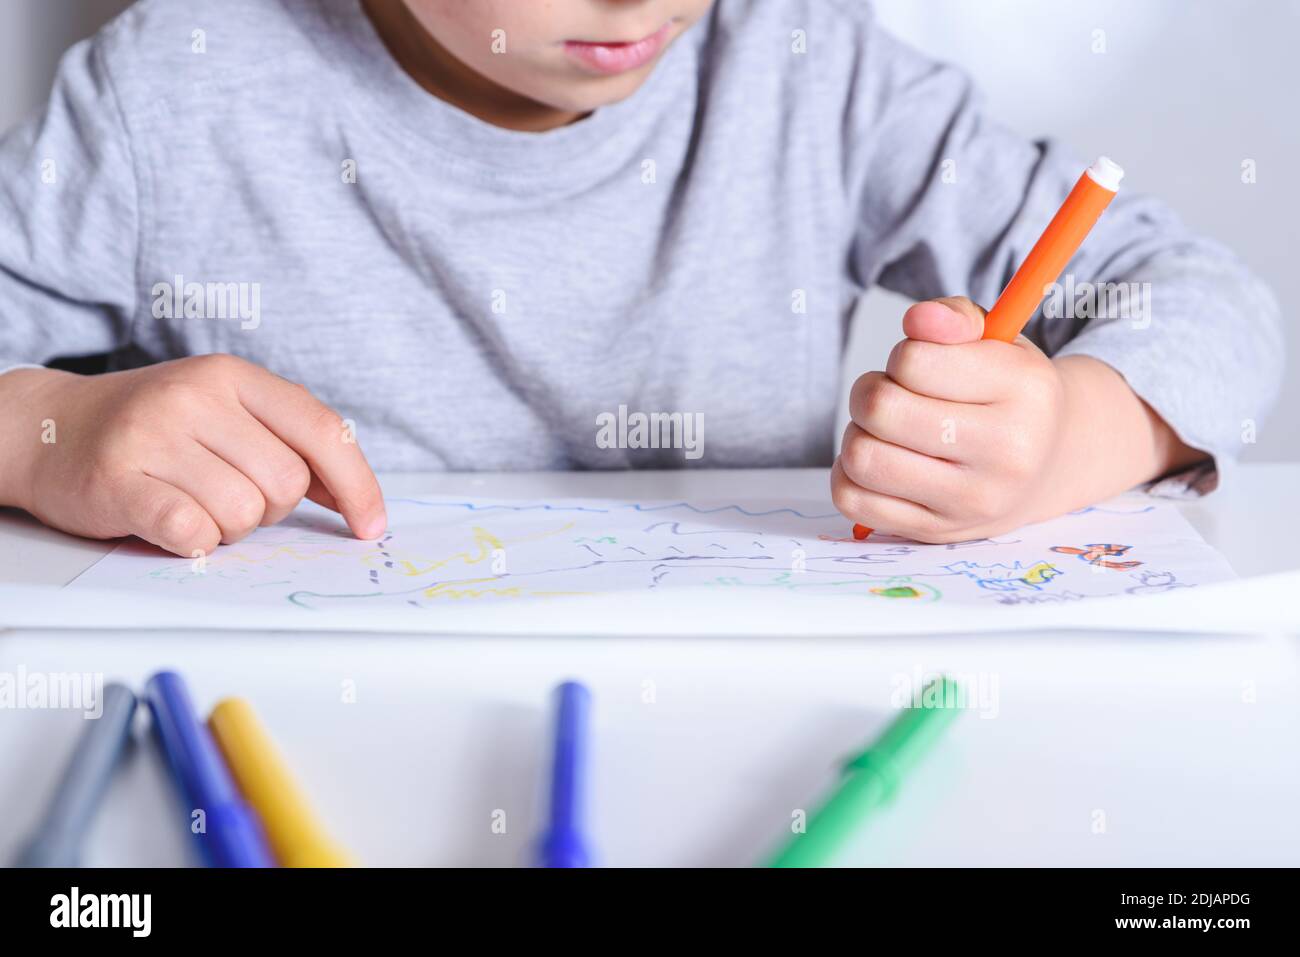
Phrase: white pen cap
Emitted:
{"points": [[1106, 173]]}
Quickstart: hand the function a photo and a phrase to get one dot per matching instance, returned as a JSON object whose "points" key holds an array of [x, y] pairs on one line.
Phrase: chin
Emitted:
{"points": [[605, 91]]}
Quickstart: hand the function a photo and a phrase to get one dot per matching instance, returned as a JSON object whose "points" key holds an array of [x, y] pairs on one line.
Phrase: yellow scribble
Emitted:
{"points": [[485, 544], [1041, 573], [456, 590]]}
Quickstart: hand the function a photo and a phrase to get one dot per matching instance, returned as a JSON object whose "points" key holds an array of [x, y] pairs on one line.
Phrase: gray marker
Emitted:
{"points": [[57, 842]]}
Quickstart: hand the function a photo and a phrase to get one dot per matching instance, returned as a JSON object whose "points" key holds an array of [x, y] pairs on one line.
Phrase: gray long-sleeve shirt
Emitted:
{"points": [[478, 298]]}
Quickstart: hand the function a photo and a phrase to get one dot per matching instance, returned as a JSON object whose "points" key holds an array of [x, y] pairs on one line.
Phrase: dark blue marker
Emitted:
{"points": [[564, 843], [232, 835]]}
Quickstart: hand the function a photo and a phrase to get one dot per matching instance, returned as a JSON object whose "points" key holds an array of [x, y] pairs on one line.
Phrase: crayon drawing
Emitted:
{"points": [[441, 551], [1099, 555]]}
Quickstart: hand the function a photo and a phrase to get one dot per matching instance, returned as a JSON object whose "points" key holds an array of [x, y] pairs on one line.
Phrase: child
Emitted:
{"points": [[468, 232]]}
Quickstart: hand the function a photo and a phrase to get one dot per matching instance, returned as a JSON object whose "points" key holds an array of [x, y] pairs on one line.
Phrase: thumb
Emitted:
{"points": [[950, 320]]}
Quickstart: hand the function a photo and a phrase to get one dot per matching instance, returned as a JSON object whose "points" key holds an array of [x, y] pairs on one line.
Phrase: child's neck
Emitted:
{"points": [[447, 78]]}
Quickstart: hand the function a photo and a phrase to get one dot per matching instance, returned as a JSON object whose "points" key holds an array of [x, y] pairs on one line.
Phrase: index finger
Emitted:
{"points": [[321, 437], [974, 372]]}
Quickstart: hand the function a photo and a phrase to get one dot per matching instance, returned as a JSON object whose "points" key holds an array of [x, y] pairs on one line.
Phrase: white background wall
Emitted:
{"points": [[1185, 91]]}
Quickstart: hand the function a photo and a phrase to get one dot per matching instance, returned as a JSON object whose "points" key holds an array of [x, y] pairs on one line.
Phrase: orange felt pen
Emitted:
{"points": [[1054, 250], [1048, 259]]}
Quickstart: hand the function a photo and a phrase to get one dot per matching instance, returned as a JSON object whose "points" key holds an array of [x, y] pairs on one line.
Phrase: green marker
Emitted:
{"points": [[871, 778]]}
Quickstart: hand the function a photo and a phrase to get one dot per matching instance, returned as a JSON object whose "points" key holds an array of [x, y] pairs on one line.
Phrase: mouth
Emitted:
{"points": [[613, 58]]}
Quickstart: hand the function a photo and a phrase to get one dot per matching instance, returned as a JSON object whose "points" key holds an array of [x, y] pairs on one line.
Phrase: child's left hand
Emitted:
{"points": [[955, 439]]}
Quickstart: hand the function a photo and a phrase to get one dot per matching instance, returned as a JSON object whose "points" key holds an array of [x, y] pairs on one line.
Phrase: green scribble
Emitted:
{"points": [[897, 591]]}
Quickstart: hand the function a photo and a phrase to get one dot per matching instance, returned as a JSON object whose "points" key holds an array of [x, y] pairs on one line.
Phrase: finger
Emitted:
{"points": [[950, 320], [934, 427], [880, 466], [973, 372], [166, 516], [225, 493], [317, 433], [879, 511], [319, 494], [280, 474]]}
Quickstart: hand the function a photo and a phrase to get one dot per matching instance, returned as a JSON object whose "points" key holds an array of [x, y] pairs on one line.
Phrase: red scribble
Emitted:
{"points": [[1097, 554]]}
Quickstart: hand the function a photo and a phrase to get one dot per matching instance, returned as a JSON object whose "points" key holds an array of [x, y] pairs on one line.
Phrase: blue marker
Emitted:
{"points": [[57, 842], [564, 844], [232, 836]]}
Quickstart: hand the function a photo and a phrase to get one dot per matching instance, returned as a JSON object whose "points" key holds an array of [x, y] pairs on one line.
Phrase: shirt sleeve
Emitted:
{"points": [[951, 202], [68, 221]]}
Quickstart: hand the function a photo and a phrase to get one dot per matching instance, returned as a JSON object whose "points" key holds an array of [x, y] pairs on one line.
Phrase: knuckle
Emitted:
{"points": [[326, 424], [862, 383], [909, 360], [245, 511], [301, 390], [290, 481], [859, 457], [881, 404], [855, 395], [846, 497], [840, 499], [878, 401], [291, 384], [181, 523], [839, 496]]}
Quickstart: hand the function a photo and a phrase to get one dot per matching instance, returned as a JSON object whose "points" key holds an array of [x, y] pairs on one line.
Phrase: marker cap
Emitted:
{"points": [[1106, 173]]}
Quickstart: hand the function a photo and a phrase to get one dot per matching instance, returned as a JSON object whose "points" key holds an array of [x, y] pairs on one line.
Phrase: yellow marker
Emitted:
{"points": [[296, 837]]}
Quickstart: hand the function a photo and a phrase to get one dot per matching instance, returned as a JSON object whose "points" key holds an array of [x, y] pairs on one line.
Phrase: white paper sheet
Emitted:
{"points": [[602, 566]]}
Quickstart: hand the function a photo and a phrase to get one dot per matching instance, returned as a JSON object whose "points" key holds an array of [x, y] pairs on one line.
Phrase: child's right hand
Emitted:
{"points": [[185, 454]]}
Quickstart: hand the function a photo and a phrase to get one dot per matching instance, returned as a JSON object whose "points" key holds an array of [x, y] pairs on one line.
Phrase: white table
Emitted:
{"points": [[1093, 749]]}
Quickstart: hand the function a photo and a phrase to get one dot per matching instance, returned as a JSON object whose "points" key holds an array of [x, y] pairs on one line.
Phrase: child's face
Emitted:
{"points": [[573, 55]]}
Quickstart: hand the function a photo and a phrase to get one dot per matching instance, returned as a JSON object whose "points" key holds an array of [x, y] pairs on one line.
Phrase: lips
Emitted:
{"points": [[614, 58]]}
